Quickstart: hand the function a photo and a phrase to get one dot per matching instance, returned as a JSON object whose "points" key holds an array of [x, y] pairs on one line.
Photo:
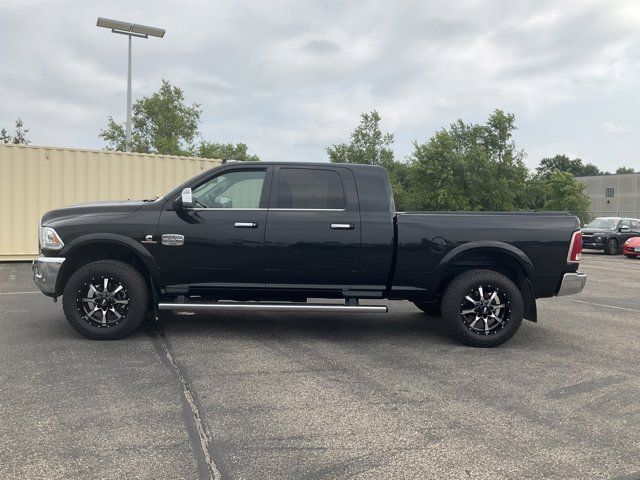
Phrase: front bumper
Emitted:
{"points": [[597, 245], [572, 283], [45, 273]]}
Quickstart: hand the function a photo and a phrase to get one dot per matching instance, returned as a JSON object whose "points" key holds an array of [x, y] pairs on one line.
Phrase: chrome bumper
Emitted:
{"points": [[45, 273], [572, 283]]}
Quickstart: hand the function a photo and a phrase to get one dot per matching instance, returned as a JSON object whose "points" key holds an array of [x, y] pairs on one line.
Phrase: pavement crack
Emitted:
{"points": [[198, 428]]}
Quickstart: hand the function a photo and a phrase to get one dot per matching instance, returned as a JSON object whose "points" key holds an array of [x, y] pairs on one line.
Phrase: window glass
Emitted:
{"points": [[625, 223], [307, 188], [608, 223], [608, 192], [635, 224], [239, 189]]}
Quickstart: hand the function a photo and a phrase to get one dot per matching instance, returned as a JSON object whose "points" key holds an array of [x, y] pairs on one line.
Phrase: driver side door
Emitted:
{"points": [[223, 234]]}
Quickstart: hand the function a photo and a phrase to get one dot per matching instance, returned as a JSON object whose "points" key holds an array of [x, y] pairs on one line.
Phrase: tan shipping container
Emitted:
{"points": [[34, 180]]}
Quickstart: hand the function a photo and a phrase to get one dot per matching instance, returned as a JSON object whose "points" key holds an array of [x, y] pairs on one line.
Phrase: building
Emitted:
{"points": [[613, 195]]}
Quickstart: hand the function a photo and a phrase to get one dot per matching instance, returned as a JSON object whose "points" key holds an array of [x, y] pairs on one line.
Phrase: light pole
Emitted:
{"points": [[131, 30]]}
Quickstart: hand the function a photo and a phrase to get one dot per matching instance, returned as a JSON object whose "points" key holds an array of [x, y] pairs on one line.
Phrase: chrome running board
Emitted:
{"points": [[274, 307]]}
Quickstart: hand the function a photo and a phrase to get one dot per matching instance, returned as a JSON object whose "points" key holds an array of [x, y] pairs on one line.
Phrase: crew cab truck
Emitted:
{"points": [[270, 236]]}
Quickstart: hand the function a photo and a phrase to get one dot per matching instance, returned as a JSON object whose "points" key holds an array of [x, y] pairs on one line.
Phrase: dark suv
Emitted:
{"points": [[609, 233]]}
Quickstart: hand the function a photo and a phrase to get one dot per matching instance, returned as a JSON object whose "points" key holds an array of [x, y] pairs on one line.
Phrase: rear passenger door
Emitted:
{"points": [[312, 239]]}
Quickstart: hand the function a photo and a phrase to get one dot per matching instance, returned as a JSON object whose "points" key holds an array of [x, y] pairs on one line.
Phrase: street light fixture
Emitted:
{"points": [[131, 30]]}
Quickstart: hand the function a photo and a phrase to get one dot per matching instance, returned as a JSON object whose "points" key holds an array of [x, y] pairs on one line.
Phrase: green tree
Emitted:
{"points": [[20, 136], [162, 123], [469, 167], [564, 164], [226, 151], [368, 145], [625, 170], [564, 192]]}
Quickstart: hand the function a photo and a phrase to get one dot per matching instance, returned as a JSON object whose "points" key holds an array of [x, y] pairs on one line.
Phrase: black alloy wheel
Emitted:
{"points": [[483, 308], [106, 299]]}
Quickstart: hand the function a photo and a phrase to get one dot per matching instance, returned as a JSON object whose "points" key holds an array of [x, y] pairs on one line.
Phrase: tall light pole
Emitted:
{"points": [[131, 30]]}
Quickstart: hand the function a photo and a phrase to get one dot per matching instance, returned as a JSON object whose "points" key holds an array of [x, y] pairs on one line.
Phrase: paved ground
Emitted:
{"points": [[261, 396]]}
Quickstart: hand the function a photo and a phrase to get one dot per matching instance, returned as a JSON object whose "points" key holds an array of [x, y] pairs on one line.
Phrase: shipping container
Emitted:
{"points": [[35, 179]]}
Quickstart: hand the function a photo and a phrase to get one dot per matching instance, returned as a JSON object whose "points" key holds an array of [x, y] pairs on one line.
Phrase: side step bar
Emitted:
{"points": [[274, 307]]}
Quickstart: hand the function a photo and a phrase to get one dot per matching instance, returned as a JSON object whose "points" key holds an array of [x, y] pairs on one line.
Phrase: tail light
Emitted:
{"points": [[575, 248]]}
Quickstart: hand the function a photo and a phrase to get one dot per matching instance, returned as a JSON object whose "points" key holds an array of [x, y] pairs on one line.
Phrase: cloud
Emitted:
{"points": [[611, 127], [292, 77]]}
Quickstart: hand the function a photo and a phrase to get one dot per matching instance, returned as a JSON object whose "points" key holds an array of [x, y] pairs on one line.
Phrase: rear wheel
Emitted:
{"points": [[430, 308], [611, 248], [106, 300], [483, 308]]}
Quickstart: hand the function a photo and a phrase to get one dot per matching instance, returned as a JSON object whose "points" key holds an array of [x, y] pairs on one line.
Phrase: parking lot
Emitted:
{"points": [[261, 396]]}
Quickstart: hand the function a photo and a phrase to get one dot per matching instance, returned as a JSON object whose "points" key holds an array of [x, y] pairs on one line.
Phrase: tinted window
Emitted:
{"points": [[625, 223], [239, 189], [307, 188], [635, 224]]}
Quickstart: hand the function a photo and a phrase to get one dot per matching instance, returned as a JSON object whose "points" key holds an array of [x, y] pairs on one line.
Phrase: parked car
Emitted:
{"points": [[631, 247], [609, 233], [269, 236]]}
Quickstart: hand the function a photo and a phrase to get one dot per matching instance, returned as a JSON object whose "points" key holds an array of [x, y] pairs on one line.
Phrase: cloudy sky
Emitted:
{"points": [[292, 77]]}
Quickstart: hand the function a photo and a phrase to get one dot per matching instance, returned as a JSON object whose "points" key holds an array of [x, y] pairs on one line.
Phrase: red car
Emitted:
{"points": [[631, 247]]}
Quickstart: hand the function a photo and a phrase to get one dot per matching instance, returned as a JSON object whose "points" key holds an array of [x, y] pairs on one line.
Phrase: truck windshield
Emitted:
{"points": [[608, 223]]}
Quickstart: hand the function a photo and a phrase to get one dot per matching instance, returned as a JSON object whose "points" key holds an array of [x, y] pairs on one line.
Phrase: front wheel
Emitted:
{"points": [[483, 308], [106, 299], [612, 247]]}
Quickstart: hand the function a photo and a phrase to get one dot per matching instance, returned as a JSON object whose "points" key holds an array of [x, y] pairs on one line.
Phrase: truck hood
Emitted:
{"points": [[94, 208]]}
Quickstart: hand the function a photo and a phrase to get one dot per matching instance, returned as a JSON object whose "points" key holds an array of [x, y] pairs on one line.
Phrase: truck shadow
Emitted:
{"points": [[334, 327]]}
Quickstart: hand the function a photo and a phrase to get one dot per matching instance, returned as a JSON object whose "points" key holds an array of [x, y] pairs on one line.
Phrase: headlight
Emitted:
{"points": [[50, 239]]}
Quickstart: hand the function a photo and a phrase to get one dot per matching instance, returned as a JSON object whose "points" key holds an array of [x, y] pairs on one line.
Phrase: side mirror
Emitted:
{"points": [[186, 199]]}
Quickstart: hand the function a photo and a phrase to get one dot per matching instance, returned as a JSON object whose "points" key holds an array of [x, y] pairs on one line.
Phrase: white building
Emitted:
{"points": [[613, 195]]}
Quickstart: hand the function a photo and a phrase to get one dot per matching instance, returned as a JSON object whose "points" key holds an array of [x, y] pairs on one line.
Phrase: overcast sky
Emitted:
{"points": [[290, 78]]}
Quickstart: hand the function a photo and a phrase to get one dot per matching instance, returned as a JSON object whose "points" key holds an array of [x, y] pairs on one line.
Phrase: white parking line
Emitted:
{"points": [[603, 305], [18, 293]]}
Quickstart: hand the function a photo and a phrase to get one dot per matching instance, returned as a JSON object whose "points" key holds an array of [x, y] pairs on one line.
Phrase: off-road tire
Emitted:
{"points": [[454, 302], [121, 276]]}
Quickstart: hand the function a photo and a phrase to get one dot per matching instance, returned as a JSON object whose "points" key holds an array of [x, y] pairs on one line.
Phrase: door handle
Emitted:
{"points": [[342, 226], [245, 225]]}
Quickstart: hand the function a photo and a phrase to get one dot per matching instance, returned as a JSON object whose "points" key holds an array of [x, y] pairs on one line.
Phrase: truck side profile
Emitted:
{"points": [[270, 236]]}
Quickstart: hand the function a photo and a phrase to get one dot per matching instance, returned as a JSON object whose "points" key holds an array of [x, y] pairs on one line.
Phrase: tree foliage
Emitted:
{"points": [[19, 137], [368, 145], [623, 170], [563, 163], [161, 123], [564, 192], [469, 167], [227, 151]]}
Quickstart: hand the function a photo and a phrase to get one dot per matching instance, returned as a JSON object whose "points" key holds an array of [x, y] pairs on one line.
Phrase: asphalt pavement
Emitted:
{"points": [[317, 396]]}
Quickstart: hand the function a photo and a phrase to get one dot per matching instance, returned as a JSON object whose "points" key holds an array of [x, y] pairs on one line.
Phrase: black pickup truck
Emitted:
{"points": [[271, 236]]}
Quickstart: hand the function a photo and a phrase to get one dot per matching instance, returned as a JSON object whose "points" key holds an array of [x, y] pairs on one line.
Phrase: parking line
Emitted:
{"points": [[603, 305], [18, 293]]}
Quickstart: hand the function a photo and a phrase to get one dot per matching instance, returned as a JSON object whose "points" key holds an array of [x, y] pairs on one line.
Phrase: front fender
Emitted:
{"points": [[121, 240]]}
